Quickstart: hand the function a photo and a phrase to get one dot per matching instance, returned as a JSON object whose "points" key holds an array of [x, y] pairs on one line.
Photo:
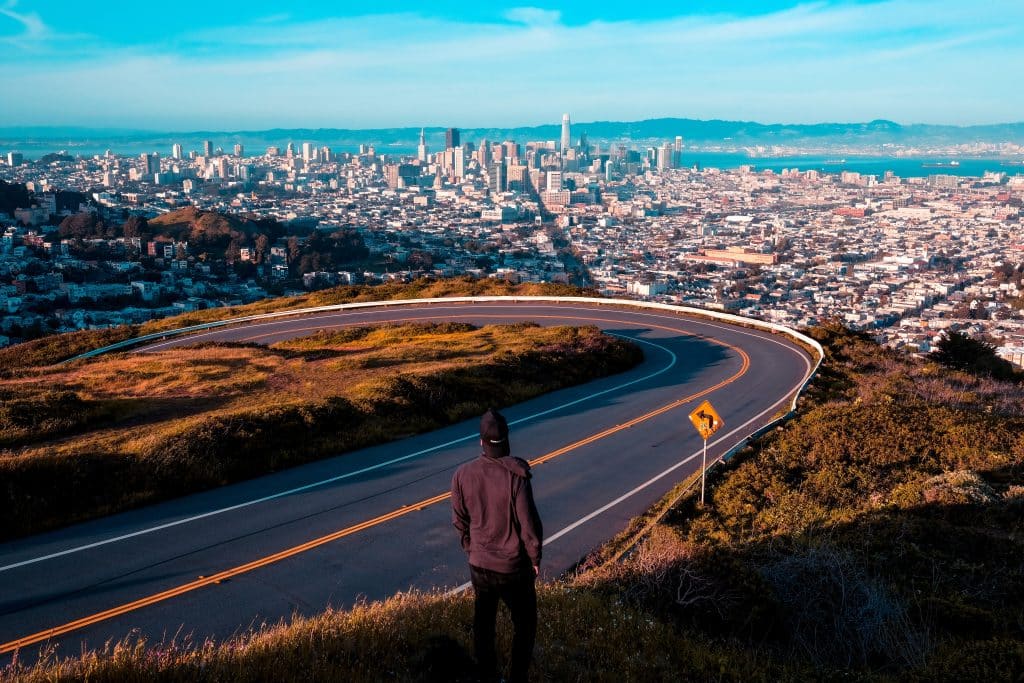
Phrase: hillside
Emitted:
{"points": [[876, 537], [205, 231], [695, 131], [59, 347], [131, 429], [190, 223]]}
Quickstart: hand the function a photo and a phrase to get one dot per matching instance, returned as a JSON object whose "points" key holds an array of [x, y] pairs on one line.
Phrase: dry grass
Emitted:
{"points": [[582, 636], [874, 538], [169, 422], [55, 348]]}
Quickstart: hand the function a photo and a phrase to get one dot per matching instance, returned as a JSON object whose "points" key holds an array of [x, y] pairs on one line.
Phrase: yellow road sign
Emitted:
{"points": [[706, 420]]}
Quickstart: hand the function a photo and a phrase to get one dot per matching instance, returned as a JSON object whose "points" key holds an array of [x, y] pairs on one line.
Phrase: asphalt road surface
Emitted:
{"points": [[367, 524]]}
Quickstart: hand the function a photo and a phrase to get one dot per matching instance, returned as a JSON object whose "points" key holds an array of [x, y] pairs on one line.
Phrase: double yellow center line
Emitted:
{"points": [[219, 577]]}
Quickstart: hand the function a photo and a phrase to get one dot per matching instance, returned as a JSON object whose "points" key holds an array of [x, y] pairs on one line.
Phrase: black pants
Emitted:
{"points": [[517, 591]]}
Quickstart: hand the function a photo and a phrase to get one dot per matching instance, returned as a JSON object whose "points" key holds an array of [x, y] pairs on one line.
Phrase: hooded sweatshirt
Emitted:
{"points": [[493, 510]]}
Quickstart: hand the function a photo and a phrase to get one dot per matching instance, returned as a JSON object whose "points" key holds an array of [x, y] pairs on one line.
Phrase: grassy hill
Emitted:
{"points": [[876, 537], [192, 224], [59, 347], [129, 429]]}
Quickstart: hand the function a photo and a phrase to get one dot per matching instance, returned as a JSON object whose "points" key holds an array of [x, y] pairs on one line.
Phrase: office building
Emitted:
{"points": [[677, 152], [460, 162], [239, 149], [664, 157], [483, 155], [176, 151], [566, 139], [401, 175], [14, 159], [554, 181], [308, 151], [150, 163], [421, 149], [451, 138], [510, 150], [497, 177], [207, 148]]}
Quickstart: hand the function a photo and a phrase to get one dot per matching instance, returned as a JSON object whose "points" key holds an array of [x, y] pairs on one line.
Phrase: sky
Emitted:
{"points": [[234, 65]]}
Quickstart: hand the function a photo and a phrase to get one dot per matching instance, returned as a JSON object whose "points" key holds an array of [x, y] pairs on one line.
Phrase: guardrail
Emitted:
{"points": [[679, 310], [622, 303]]}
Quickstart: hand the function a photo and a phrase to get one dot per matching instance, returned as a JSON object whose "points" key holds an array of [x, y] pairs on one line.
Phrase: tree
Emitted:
{"points": [[85, 224], [135, 226], [294, 249], [959, 351], [261, 248]]}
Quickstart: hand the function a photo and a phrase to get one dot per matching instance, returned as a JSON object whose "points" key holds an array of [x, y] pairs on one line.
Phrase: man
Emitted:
{"points": [[493, 510]]}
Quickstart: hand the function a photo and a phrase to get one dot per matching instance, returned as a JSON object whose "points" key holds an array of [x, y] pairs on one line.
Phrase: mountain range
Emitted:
{"points": [[695, 132]]}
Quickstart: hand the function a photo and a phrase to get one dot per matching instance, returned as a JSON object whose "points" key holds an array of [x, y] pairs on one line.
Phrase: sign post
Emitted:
{"points": [[707, 421]]}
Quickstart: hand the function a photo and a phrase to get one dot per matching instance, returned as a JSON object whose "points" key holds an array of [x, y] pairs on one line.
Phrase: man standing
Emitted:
{"points": [[493, 510]]}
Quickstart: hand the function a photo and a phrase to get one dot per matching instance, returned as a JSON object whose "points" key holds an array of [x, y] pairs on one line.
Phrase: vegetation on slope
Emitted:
{"points": [[129, 429], [875, 537], [60, 347]]}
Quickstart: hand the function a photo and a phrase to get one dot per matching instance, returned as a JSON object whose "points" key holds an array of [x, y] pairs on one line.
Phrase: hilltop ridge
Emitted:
{"points": [[694, 131]]}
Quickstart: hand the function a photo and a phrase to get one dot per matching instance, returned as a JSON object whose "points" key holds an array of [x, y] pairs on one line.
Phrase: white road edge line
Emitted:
{"points": [[629, 494], [347, 475]]}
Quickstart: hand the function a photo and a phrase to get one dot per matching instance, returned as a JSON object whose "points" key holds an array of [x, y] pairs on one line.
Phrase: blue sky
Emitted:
{"points": [[230, 65]]}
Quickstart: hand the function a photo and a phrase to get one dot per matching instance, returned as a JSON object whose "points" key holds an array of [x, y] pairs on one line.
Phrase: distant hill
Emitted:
{"points": [[694, 131], [192, 224]]}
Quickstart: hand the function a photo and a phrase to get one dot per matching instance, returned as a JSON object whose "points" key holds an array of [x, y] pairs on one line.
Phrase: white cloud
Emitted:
{"points": [[32, 27], [534, 16], [813, 62]]}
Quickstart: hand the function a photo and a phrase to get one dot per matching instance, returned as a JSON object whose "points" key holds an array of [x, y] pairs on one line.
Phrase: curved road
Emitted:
{"points": [[376, 521]]}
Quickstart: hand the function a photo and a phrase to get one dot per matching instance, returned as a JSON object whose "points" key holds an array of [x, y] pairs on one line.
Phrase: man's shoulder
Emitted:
{"points": [[466, 468], [522, 461]]}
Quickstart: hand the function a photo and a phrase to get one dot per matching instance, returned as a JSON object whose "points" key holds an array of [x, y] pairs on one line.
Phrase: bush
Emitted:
{"points": [[41, 415]]}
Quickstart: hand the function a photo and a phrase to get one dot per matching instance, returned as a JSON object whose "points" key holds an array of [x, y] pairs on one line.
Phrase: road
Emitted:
{"points": [[367, 524]]}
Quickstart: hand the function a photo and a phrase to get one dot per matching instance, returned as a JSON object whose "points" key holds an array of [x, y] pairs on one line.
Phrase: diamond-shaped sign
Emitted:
{"points": [[706, 420]]}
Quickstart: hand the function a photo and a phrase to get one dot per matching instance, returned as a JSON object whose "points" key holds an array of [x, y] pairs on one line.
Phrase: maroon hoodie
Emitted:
{"points": [[493, 510]]}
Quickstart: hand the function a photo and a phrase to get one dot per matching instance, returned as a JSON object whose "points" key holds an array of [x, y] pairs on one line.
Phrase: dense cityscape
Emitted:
{"points": [[109, 239]]}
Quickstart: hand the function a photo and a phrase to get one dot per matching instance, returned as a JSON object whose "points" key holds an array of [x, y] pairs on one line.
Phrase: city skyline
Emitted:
{"points": [[238, 66]]}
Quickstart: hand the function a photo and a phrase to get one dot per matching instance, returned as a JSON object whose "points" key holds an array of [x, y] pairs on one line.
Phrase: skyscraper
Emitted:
{"points": [[421, 149], [308, 152], [451, 138], [460, 162], [150, 163], [484, 154], [677, 152], [207, 148], [566, 139], [497, 177], [176, 151], [664, 157], [239, 149]]}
